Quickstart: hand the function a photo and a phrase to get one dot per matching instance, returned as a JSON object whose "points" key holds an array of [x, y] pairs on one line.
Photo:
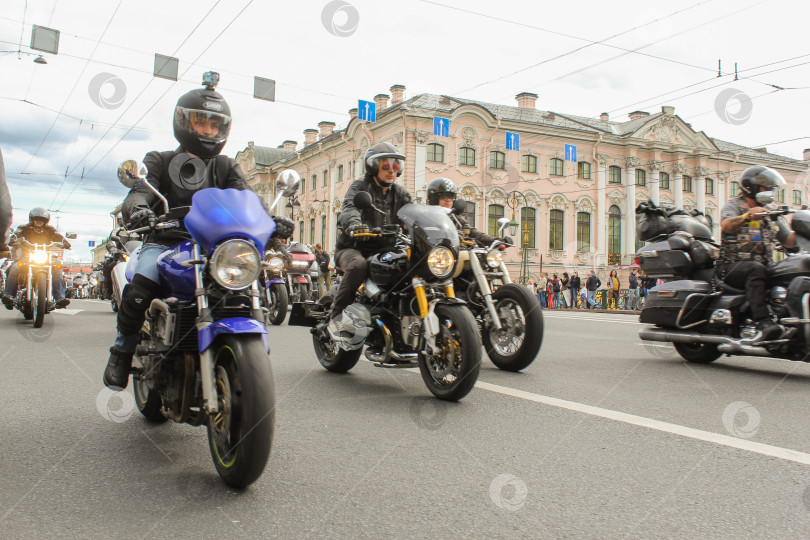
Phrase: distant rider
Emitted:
{"points": [[443, 192]]}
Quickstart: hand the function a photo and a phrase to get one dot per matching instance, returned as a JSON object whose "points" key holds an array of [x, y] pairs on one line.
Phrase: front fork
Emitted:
{"points": [[486, 292], [209, 390], [430, 321]]}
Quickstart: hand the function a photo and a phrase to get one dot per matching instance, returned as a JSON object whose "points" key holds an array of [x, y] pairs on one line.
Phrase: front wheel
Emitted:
{"points": [[147, 401], [452, 370], [39, 301], [698, 353], [516, 344], [278, 303], [240, 434], [299, 292]]}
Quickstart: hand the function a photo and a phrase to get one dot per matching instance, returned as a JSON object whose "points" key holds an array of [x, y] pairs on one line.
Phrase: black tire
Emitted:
{"points": [[299, 292], [518, 342], [698, 353], [147, 401], [332, 357], [458, 336], [39, 301], [240, 435], [278, 303], [114, 305]]}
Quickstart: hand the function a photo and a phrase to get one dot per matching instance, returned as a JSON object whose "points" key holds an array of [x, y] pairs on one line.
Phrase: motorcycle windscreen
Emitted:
{"points": [[430, 221], [217, 214]]}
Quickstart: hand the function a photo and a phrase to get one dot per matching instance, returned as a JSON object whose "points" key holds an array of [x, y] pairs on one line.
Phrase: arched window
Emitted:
{"points": [[435, 153], [615, 175], [497, 160], [323, 231], [555, 167], [325, 177], [663, 180], [312, 231], [527, 227], [584, 170], [797, 196], [735, 189], [709, 186], [528, 164], [314, 184], [583, 231], [469, 213], [340, 173], [495, 213], [614, 235], [466, 157], [641, 177], [555, 229], [687, 184]]}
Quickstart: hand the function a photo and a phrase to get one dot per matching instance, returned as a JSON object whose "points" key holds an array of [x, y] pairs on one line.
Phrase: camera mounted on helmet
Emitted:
{"points": [[202, 119]]}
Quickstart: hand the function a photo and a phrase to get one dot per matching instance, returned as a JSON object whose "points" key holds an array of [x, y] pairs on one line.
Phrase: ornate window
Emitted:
{"points": [[583, 231], [528, 163], [495, 213], [497, 160], [797, 196], [312, 231], [641, 177], [614, 175], [469, 213], [709, 186], [555, 229], [466, 157], [663, 180], [555, 167], [323, 231], [584, 170], [527, 227], [340, 173], [735, 189], [435, 153], [687, 184], [614, 235]]}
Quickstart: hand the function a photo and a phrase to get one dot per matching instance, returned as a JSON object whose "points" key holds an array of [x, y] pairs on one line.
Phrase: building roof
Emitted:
{"points": [[264, 155]]}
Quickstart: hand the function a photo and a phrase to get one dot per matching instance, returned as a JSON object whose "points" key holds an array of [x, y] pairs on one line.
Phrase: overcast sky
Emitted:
{"points": [[575, 55]]}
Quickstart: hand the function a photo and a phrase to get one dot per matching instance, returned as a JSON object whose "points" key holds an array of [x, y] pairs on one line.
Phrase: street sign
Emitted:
{"points": [[570, 153], [367, 110], [512, 141], [264, 88], [91, 243], [441, 126]]}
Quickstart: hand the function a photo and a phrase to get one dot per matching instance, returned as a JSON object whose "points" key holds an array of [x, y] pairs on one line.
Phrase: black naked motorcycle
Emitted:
{"points": [[508, 314], [406, 314], [704, 317]]}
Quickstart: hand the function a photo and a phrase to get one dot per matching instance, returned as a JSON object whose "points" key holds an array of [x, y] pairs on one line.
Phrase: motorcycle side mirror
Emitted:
{"points": [[131, 173], [362, 200], [459, 206], [502, 224], [288, 182], [70, 235]]}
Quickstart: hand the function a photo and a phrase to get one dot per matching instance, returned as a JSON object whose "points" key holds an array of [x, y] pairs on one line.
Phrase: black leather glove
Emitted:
{"points": [[284, 227], [508, 240], [141, 216], [360, 228]]}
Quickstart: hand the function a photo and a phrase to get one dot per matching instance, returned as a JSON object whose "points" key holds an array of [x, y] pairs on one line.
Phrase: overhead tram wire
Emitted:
{"points": [[210, 44]]}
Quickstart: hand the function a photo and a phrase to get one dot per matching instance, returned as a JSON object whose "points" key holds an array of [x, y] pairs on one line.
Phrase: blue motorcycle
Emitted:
{"points": [[203, 356]]}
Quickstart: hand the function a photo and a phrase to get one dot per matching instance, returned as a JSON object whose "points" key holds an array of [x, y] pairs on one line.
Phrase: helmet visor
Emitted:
{"points": [[206, 125], [769, 178], [388, 164]]}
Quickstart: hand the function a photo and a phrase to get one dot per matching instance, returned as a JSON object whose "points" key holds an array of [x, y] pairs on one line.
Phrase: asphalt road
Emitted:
{"points": [[602, 437]]}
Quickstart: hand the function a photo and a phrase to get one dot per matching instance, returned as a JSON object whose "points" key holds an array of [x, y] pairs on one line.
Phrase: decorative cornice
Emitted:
{"points": [[655, 164], [679, 167], [602, 159], [631, 162], [702, 171]]}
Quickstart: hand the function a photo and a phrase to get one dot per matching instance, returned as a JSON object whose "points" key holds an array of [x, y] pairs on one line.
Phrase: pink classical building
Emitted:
{"points": [[573, 215]]}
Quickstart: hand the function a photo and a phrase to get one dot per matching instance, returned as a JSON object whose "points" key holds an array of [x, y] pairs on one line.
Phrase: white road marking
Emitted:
{"points": [[66, 311], [591, 318], [697, 434]]}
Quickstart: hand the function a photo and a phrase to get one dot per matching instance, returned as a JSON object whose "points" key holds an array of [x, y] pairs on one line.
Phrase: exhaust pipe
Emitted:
{"points": [[725, 344], [738, 348]]}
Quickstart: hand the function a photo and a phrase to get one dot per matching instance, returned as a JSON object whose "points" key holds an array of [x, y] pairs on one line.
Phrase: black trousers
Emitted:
{"points": [[355, 271], [748, 275]]}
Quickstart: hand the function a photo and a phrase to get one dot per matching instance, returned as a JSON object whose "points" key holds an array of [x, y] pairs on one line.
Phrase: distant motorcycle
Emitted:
{"points": [[127, 246], [34, 298], [276, 297], [299, 278]]}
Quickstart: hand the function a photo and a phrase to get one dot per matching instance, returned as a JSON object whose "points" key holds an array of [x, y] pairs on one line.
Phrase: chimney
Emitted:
{"points": [[668, 110], [397, 93], [761, 149], [526, 100], [289, 145], [604, 117], [250, 144], [806, 155], [326, 128], [382, 102], [635, 115], [353, 113], [310, 136]]}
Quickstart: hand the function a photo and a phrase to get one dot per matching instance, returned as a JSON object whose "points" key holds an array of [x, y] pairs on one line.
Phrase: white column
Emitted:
{"points": [[630, 211], [700, 194], [655, 187], [601, 213], [677, 184], [419, 164]]}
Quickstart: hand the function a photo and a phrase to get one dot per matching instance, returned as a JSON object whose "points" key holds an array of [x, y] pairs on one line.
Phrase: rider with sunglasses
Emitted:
{"points": [[383, 164]]}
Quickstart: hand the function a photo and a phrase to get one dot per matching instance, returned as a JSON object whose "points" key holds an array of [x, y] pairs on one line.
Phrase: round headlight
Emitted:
{"points": [[40, 257], [276, 264], [494, 258], [235, 264], [440, 261]]}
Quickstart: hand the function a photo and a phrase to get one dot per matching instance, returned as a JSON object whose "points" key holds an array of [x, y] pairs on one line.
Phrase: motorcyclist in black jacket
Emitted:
{"points": [[383, 164], [36, 231], [202, 121], [443, 192]]}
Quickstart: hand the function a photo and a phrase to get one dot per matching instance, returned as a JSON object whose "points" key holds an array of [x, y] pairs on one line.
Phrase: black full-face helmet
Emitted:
{"points": [[202, 121], [41, 214], [438, 187], [759, 175], [385, 154]]}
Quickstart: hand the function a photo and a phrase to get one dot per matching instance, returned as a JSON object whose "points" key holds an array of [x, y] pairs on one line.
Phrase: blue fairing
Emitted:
{"points": [[176, 279], [217, 214], [235, 325]]}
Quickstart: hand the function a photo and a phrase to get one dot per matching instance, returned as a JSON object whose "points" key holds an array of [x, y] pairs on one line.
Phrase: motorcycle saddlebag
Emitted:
{"points": [[664, 303], [659, 260]]}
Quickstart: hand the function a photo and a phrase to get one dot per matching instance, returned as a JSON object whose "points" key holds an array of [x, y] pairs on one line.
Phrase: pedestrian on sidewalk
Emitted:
{"points": [[632, 293], [613, 288], [574, 286], [542, 295], [592, 285], [556, 287], [566, 293]]}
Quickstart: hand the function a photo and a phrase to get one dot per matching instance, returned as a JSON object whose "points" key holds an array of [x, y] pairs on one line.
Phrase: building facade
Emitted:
{"points": [[574, 213]]}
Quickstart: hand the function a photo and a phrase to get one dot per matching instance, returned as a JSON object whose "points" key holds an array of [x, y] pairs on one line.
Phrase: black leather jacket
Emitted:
{"points": [[49, 234], [397, 197]]}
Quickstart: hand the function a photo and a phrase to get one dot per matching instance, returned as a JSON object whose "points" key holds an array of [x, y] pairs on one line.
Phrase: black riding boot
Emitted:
{"points": [[117, 372]]}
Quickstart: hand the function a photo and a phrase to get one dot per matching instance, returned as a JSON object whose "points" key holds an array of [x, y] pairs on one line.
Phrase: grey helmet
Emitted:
{"points": [[382, 151], [39, 213], [759, 175]]}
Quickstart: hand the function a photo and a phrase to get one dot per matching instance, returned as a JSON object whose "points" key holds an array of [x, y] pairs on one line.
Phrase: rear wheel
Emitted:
{"points": [[451, 372], [299, 292], [332, 357], [240, 434], [39, 300], [698, 353], [517, 343], [278, 303], [148, 401]]}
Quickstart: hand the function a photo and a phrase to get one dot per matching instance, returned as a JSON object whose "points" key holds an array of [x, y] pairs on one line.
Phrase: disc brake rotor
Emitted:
{"points": [[222, 419]]}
